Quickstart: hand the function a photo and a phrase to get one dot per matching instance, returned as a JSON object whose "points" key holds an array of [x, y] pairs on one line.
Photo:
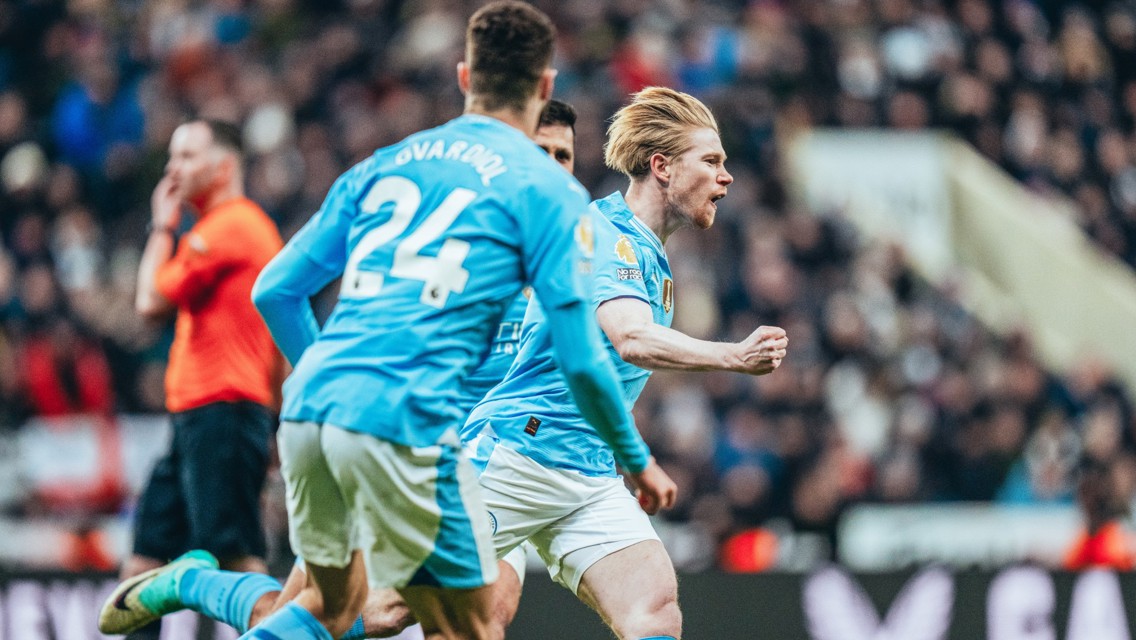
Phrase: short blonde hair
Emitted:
{"points": [[657, 121]]}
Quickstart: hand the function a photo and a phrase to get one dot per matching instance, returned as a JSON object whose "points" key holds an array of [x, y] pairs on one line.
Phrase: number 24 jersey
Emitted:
{"points": [[435, 237]]}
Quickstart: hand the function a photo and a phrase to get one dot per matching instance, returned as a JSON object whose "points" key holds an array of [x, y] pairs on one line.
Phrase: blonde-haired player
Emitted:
{"points": [[547, 476]]}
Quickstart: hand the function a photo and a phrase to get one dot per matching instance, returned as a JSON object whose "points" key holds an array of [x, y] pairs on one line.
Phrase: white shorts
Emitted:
{"points": [[415, 512], [573, 520], [518, 560]]}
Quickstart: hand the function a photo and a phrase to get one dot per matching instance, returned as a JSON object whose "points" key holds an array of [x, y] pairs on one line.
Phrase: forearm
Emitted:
{"points": [[594, 384], [148, 301], [282, 297], [653, 346]]}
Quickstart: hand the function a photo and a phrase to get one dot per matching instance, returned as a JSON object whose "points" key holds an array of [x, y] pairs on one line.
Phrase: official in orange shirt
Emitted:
{"points": [[1104, 543], [223, 376]]}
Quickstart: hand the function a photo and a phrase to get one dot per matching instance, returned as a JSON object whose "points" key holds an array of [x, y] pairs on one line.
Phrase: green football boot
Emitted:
{"points": [[148, 596]]}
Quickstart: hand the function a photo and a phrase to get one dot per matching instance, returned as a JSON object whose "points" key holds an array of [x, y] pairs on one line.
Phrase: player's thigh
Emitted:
{"points": [[607, 520], [224, 449], [454, 613], [318, 520], [417, 511], [634, 590]]}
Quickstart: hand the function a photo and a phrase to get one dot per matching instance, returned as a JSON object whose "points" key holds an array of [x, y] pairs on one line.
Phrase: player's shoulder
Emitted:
{"points": [[616, 215], [545, 184], [614, 209], [632, 239]]}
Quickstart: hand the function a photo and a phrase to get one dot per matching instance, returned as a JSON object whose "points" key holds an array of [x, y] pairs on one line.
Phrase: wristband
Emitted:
{"points": [[150, 228]]}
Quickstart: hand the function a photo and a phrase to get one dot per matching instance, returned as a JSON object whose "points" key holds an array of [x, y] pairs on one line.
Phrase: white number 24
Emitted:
{"points": [[442, 274]]}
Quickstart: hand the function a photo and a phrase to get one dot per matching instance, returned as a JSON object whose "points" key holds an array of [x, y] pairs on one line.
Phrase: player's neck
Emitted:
{"points": [[524, 120], [649, 204]]}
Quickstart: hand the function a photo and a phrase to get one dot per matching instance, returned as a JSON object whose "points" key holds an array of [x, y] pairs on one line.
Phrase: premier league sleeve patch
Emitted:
{"points": [[586, 236], [626, 252]]}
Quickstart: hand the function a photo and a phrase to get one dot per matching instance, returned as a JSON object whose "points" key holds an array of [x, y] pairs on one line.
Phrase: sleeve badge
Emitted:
{"points": [[586, 236], [624, 251]]}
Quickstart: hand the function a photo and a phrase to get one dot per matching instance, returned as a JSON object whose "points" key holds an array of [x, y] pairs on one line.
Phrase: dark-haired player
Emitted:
{"points": [[433, 237], [242, 600]]}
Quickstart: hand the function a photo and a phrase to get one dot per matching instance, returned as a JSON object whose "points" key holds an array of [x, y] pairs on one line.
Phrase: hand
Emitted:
{"points": [[165, 205], [654, 488], [762, 351]]}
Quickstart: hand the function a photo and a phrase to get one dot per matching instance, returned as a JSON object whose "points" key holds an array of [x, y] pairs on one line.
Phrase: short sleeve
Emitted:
{"points": [[618, 266], [558, 236]]}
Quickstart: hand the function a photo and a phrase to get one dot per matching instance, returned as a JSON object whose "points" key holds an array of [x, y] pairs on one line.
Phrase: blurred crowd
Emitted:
{"points": [[891, 391]]}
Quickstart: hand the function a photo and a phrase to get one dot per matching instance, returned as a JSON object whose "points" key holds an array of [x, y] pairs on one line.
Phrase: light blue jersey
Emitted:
{"points": [[434, 237], [532, 411], [500, 357]]}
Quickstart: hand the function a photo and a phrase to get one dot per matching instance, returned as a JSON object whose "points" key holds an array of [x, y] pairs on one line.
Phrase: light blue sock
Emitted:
{"points": [[227, 596], [355, 632], [292, 622]]}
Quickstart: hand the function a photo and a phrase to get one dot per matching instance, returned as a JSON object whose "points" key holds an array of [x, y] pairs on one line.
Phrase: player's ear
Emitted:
{"points": [[463, 77], [660, 167], [546, 83]]}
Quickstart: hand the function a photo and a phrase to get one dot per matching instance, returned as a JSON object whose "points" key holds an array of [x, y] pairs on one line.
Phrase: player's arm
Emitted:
{"points": [[629, 325], [282, 294], [313, 257], [595, 387], [558, 250], [593, 382]]}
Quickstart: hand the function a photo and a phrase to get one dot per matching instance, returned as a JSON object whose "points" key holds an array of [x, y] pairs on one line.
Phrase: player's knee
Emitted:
{"points": [[656, 616]]}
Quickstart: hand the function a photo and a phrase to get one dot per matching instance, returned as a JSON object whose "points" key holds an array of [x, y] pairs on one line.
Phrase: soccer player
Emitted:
{"points": [[221, 381], [548, 477], [667, 143], [242, 600], [433, 236]]}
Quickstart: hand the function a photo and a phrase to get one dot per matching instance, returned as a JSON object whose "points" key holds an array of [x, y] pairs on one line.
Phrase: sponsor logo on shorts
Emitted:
{"points": [[629, 274]]}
